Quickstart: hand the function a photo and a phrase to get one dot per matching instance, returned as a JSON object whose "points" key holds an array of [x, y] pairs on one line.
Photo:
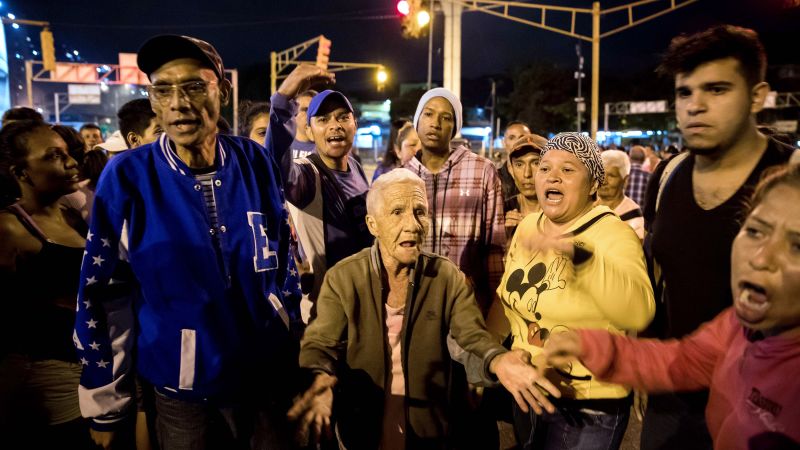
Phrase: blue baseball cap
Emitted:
{"points": [[319, 99]]}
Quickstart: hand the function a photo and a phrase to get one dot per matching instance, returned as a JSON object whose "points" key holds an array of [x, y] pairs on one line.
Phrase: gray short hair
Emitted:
{"points": [[618, 159], [637, 154], [396, 176]]}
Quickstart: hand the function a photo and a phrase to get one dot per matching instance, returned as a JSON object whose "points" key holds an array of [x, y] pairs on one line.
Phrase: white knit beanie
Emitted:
{"points": [[447, 95]]}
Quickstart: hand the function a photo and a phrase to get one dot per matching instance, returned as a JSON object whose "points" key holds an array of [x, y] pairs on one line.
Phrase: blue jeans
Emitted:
{"points": [[182, 425], [576, 425]]}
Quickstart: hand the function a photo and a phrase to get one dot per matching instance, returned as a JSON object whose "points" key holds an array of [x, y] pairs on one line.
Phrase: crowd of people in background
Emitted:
{"points": [[174, 286]]}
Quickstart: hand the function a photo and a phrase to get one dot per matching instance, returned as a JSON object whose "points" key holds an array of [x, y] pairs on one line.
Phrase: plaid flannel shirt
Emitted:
{"points": [[637, 183], [465, 201]]}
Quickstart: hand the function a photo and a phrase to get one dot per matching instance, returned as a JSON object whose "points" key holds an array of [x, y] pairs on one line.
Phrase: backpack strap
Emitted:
{"points": [[632, 214], [672, 164], [328, 179], [588, 224]]}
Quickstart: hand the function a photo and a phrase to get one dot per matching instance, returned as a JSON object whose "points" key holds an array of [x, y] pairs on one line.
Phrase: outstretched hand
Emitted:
{"points": [[314, 408], [523, 380], [303, 78]]}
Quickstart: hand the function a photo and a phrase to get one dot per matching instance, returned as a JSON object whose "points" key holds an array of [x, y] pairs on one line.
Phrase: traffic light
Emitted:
{"points": [[48, 50], [323, 52], [403, 7], [414, 18]]}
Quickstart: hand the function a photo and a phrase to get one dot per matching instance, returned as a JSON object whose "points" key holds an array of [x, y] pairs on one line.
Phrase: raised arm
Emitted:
{"points": [[298, 181]]}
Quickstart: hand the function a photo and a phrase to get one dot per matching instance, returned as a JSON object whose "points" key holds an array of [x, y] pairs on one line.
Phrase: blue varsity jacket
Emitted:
{"points": [[196, 310]]}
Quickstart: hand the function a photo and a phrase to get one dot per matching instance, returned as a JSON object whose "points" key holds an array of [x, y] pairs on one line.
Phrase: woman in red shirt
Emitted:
{"points": [[748, 356]]}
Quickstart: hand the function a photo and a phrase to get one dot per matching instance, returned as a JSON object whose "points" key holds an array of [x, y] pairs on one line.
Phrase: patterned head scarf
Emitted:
{"points": [[584, 148]]}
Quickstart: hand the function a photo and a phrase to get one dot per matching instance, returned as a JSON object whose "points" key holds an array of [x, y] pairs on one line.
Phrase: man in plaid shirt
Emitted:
{"points": [[637, 180], [465, 201], [464, 195]]}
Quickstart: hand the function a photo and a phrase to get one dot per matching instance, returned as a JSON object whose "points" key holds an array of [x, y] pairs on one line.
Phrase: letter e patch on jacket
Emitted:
{"points": [[263, 258]]}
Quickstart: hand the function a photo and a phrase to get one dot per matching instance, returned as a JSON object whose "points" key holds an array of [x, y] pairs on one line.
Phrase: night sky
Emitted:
{"points": [[245, 31]]}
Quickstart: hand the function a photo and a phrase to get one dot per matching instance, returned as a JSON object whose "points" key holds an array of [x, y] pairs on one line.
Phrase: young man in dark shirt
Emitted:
{"points": [[693, 214]]}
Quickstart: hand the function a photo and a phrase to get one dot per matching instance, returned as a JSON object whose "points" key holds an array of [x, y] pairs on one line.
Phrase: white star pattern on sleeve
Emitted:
{"points": [[84, 361], [106, 242], [98, 260], [292, 272], [89, 236], [286, 293], [95, 345], [87, 303], [91, 323], [91, 280], [102, 364]]}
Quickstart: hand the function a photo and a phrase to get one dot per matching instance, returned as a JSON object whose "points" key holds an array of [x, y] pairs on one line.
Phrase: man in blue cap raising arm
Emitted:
{"points": [[181, 281], [327, 190]]}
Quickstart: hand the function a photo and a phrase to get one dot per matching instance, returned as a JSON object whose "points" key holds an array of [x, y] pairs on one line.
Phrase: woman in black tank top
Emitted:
{"points": [[40, 259]]}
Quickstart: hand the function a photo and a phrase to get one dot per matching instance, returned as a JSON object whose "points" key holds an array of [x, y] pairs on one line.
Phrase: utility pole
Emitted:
{"points": [[493, 115], [452, 46], [430, 47], [595, 66], [580, 104]]}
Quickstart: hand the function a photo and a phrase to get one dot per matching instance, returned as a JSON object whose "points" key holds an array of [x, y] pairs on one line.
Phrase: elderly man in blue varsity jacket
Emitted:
{"points": [[182, 282]]}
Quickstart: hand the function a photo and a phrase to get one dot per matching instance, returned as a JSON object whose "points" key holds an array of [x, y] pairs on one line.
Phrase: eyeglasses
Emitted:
{"points": [[194, 90]]}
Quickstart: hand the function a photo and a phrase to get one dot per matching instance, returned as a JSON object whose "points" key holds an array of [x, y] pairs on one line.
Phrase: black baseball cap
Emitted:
{"points": [[164, 48]]}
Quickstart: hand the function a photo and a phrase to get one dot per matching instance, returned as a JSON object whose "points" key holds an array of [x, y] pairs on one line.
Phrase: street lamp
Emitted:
{"points": [[382, 76]]}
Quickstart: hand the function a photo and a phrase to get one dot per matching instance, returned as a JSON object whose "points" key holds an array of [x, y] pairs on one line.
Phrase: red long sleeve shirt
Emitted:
{"points": [[754, 397]]}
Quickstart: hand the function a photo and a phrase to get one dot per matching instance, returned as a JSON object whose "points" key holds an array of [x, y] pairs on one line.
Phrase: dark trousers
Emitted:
{"points": [[676, 421], [575, 425], [197, 426]]}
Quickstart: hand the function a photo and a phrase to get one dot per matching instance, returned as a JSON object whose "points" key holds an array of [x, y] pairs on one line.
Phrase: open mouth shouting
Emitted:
{"points": [[409, 243], [752, 302], [336, 140], [553, 196]]}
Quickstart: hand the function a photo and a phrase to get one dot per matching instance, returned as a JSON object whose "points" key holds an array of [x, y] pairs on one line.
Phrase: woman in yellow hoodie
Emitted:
{"points": [[574, 265]]}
